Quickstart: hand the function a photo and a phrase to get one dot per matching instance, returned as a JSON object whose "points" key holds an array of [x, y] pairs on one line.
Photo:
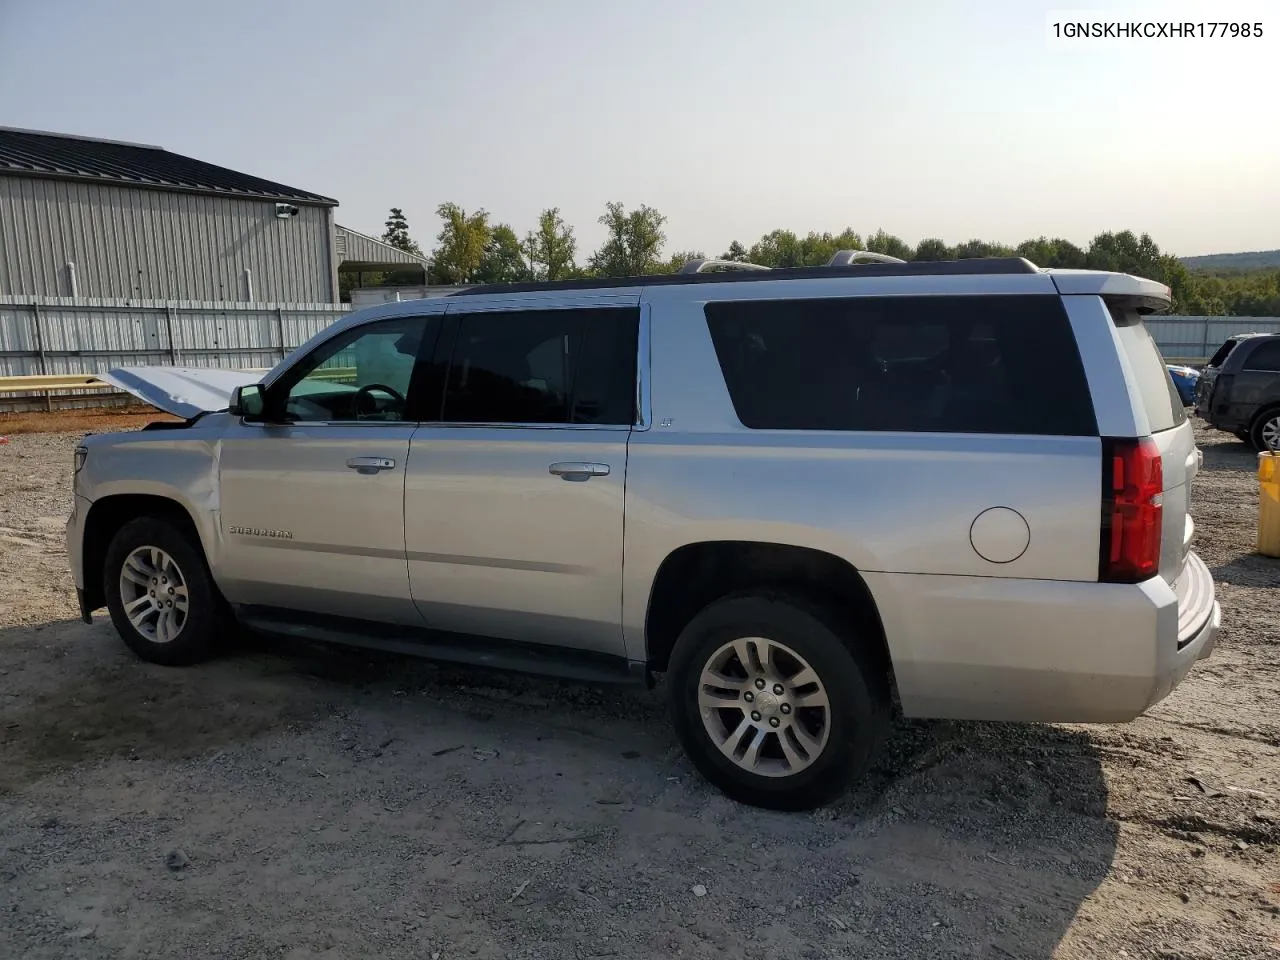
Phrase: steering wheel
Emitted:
{"points": [[368, 388]]}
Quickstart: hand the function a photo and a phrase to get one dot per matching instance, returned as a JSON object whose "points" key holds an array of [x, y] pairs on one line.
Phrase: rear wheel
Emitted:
{"points": [[1265, 434], [775, 703], [162, 599]]}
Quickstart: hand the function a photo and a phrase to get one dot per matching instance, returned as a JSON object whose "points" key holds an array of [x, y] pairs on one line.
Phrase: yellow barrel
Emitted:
{"points": [[1269, 504]]}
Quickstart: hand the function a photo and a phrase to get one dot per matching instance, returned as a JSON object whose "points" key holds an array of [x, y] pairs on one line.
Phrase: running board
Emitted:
{"points": [[540, 659]]}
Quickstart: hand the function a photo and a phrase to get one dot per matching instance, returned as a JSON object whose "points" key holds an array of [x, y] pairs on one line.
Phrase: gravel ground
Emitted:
{"points": [[295, 801]]}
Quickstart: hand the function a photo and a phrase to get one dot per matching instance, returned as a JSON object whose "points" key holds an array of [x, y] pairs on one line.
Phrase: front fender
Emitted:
{"points": [[184, 472]]}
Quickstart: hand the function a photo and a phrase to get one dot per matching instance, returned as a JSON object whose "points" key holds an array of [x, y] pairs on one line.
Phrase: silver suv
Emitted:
{"points": [[809, 497]]}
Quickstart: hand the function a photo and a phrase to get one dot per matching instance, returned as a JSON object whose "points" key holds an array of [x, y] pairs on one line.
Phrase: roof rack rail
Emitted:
{"points": [[844, 258], [977, 266], [699, 265]]}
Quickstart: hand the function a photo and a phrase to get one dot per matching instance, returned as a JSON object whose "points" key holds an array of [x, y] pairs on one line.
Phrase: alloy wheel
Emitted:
{"points": [[154, 594], [764, 706], [1270, 433]]}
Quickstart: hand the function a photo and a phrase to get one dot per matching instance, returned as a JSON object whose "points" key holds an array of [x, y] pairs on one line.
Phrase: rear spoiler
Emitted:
{"points": [[1147, 296]]}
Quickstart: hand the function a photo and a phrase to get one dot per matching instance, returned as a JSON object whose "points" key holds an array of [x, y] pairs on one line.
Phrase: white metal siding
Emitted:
{"points": [[370, 296], [92, 336], [358, 248], [136, 243], [1196, 339]]}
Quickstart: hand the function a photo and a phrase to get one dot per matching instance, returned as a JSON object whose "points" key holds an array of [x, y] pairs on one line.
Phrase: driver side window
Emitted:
{"points": [[363, 374]]}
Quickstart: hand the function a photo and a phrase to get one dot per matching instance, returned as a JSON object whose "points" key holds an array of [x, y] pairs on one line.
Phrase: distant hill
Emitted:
{"points": [[1255, 260]]}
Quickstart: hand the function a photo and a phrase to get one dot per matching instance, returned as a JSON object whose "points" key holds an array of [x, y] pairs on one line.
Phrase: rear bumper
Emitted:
{"points": [[1199, 620], [978, 648], [1226, 425], [1231, 417]]}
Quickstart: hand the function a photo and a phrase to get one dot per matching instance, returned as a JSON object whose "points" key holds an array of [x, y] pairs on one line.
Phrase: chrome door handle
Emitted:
{"points": [[371, 463], [573, 470]]}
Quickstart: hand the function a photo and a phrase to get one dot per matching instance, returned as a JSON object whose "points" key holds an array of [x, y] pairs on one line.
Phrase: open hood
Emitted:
{"points": [[185, 392]]}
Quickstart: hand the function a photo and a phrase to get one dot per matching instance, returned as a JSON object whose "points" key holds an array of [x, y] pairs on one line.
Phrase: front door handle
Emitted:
{"points": [[371, 464], [574, 470]]}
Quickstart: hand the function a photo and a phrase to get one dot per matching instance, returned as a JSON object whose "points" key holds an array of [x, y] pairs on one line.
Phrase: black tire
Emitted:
{"points": [[856, 687], [1267, 421], [206, 618]]}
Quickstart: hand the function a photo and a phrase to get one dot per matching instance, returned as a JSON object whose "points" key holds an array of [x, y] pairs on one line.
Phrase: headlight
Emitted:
{"points": [[82, 454]]}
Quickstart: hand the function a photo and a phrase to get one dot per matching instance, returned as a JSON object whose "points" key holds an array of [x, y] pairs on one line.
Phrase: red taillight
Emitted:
{"points": [[1132, 510]]}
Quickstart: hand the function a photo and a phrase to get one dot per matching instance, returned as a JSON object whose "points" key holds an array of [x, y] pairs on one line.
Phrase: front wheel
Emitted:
{"points": [[162, 599], [776, 701], [1265, 434]]}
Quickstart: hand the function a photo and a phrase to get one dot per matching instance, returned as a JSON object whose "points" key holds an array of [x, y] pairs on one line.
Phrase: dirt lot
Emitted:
{"points": [[293, 801]]}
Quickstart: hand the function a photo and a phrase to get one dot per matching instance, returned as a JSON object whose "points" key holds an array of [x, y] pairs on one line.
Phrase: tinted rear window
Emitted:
{"points": [[1155, 386], [1002, 364], [1264, 356]]}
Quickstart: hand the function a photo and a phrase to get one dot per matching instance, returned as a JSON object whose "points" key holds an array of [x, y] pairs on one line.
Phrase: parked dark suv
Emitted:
{"points": [[1239, 390]]}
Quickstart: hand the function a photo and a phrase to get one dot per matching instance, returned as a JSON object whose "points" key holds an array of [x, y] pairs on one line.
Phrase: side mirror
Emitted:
{"points": [[248, 402]]}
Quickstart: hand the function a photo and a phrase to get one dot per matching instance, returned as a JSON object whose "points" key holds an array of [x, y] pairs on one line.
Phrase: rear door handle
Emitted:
{"points": [[574, 470], [374, 464]]}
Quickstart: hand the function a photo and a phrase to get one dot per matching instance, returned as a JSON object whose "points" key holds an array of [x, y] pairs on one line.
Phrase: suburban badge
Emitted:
{"points": [[261, 532]]}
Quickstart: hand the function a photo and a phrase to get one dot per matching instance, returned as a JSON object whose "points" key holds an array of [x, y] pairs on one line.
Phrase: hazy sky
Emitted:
{"points": [[951, 118]]}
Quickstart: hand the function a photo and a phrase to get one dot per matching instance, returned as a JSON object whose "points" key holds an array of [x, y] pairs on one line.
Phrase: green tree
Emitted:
{"points": [[679, 259], [470, 250], [777, 248], [1252, 294], [552, 247], [817, 249], [461, 243], [1126, 252], [397, 233], [933, 248], [1055, 252], [888, 244], [974, 249], [634, 241], [503, 260], [1171, 272], [783, 248], [847, 239]]}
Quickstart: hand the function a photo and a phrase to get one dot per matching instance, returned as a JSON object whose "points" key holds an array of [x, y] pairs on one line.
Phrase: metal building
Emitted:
{"points": [[82, 217], [358, 253]]}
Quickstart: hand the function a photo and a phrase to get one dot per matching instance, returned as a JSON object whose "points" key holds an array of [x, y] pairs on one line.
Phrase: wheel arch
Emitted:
{"points": [[105, 518], [696, 574], [1266, 411]]}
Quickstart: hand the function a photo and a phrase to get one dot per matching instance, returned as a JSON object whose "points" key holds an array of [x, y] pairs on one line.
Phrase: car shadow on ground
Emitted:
{"points": [[968, 839], [1250, 570], [1223, 452]]}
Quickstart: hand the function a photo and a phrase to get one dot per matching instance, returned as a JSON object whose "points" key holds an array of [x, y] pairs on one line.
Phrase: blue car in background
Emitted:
{"points": [[1185, 378]]}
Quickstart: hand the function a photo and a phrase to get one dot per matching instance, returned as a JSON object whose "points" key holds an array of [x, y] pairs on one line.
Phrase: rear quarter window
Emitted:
{"points": [[1264, 356], [1156, 391], [942, 364]]}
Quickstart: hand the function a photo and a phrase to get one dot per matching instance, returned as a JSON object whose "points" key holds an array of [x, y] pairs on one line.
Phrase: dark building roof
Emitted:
{"points": [[59, 156]]}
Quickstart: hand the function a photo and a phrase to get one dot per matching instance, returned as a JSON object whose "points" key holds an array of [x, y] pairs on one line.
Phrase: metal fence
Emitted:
{"points": [[64, 335], [1195, 339]]}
